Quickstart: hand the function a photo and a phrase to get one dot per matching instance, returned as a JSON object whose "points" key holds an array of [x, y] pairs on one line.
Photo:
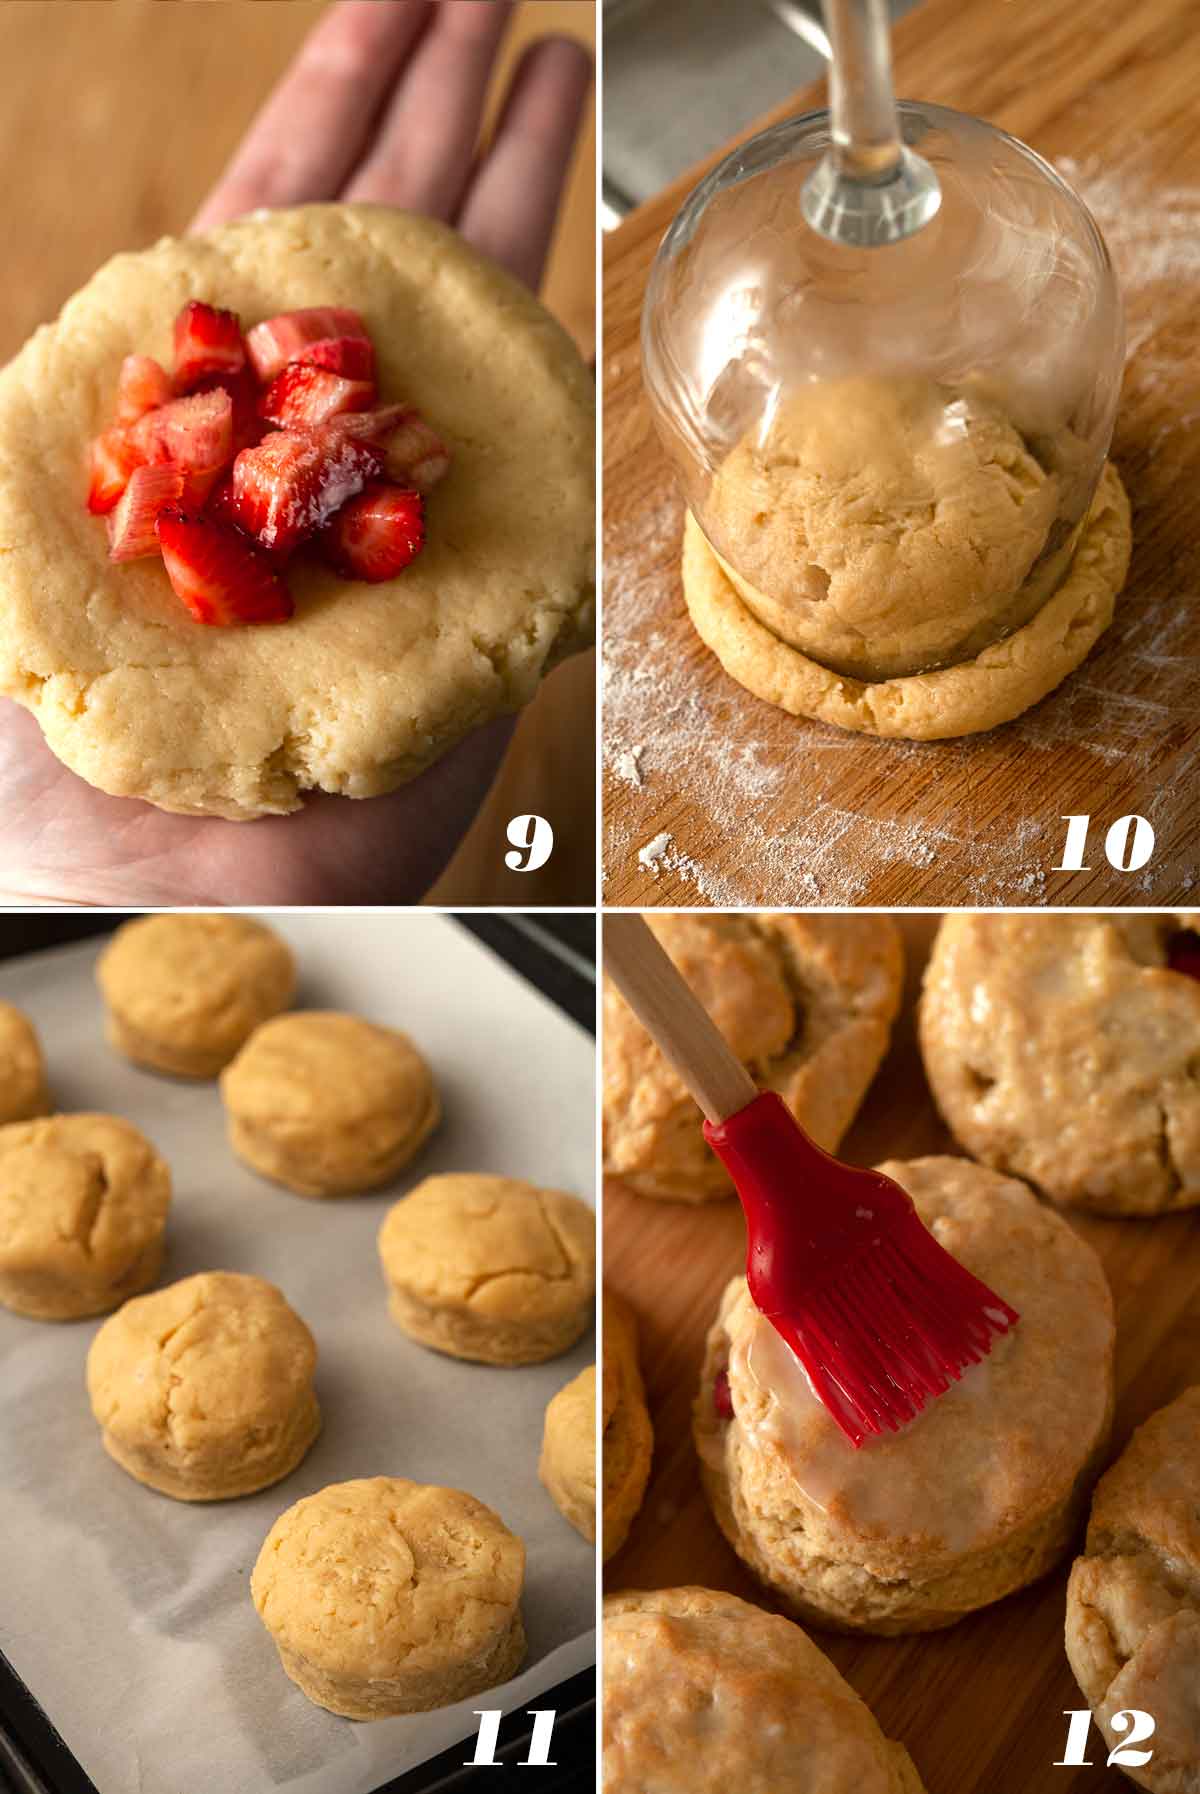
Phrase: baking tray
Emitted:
{"points": [[512, 1067]]}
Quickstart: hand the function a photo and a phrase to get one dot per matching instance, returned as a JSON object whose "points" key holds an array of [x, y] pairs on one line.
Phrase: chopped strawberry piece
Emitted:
{"points": [[193, 434], [207, 341], [377, 534], [353, 357], [301, 397], [142, 385], [722, 1397], [291, 485], [131, 532], [220, 501], [272, 344], [220, 576], [111, 459], [1183, 952], [412, 453]]}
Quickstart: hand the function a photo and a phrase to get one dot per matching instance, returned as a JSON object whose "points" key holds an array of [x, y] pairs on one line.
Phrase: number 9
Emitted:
{"points": [[534, 837]]}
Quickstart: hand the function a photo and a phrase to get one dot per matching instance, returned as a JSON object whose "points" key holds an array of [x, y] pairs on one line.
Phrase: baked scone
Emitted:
{"points": [[83, 1208], [185, 992], [976, 1497], [1133, 1601], [203, 1390], [385, 1596], [807, 1004], [327, 1104], [367, 684], [704, 1693], [490, 1268], [567, 1464], [1063, 1048], [23, 1092]]}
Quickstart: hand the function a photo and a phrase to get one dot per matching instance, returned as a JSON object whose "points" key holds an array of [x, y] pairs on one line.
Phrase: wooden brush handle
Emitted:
{"points": [[679, 1026]]}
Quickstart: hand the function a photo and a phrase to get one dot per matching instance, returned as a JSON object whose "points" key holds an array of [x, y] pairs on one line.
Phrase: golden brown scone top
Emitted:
{"points": [[1062, 1048], [1133, 1604], [83, 1186], [706, 1694], [22, 1069], [317, 1068], [197, 981], [806, 1002]]}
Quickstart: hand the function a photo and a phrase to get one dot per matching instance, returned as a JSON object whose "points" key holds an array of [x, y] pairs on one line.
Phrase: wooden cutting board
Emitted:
{"points": [[980, 1705], [764, 809]]}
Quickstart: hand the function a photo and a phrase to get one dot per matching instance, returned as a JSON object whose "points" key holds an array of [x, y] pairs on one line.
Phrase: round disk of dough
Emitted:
{"points": [[23, 1092], [386, 1596], [998, 684], [367, 684]]}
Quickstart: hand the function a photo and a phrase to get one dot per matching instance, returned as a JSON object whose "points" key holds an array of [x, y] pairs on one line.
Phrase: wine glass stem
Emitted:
{"points": [[866, 138]]}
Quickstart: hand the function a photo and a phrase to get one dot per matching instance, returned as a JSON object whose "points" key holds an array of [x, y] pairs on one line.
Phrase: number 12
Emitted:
{"points": [[1140, 1726]]}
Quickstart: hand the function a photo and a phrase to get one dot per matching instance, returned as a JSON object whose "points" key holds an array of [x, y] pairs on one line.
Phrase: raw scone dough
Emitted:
{"points": [[203, 1390], [1063, 1049], [327, 1104], [1133, 1602], [385, 1596], [806, 1003], [490, 1268], [367, 684], [976, 1497], [83, 1207], [999, 683], [184, 992], [23, 1092], [704, 1693]]}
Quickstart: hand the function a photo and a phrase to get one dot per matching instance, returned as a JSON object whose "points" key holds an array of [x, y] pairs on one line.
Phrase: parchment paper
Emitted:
{"points": [[127, 1614]]}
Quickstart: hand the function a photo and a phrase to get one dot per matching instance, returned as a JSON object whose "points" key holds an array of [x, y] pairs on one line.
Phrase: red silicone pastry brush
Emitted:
{"points": [[879, 1314]]}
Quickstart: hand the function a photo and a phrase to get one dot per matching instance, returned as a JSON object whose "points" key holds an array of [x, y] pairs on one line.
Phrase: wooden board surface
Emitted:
{"points": [[980, 1705], [764, 809], [114, 122]]}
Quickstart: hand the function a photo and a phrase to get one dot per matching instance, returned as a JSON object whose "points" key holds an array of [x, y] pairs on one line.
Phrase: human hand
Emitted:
{"points": [[391, 92]]}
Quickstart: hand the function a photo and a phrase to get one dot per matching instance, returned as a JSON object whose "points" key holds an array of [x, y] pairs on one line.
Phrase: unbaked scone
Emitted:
{"points": [[1064, 1049], [704, 1693], [367, 684], [83, 1208], [185, 992], [203, 1390], [806, 1003], [385, 1596], [1133, 1601], [997, 684], [976, 1497], [327, 1104], [23, 1092], [490, 1268]]}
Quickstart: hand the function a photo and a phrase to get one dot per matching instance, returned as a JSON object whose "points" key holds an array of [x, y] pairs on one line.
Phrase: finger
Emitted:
{"points": [[511, 208], [317, 123], [423, 151]]}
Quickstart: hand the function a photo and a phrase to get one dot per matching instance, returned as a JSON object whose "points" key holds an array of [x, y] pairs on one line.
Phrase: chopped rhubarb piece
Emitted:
{"points": [[272, 344], [1183, 952], [207, 341], [291, 485], [413, 454], [142, 386], [302, 397], [193, 434], [131, 532], [377, 534], [353, 357], [722, 1398], [248, 426], [220, 576], [111, 459]]}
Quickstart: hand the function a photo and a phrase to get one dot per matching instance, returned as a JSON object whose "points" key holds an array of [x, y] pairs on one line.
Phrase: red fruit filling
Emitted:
{"points": [[258, 445], [722, 1399], [1183, 952]]}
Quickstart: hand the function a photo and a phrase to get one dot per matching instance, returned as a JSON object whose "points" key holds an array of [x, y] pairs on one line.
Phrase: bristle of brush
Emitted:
{"points": [[902, 1321]]}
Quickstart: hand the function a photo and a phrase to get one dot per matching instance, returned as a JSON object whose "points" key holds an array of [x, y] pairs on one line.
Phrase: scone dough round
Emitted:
{"points": [[367, 684], [385, 1596], [490, 1268], [1133, 1601], [184, 992], [203, 1390], [1063, 1049], [328, 1104], [998, 684], [806, 1003], [704, 1693], [975, 1498], [23, 1092], [83, 1208]]}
